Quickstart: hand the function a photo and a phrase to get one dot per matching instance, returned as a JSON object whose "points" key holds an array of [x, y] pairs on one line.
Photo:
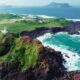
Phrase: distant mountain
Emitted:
{"points": [[54, 4]]}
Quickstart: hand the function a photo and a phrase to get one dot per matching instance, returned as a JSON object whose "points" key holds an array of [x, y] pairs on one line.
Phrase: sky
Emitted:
{"points": [[37, 2]]}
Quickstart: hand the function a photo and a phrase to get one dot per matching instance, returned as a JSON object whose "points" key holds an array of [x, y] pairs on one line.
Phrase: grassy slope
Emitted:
{"points": [[9, 16], [29, 25], [24, 53]]}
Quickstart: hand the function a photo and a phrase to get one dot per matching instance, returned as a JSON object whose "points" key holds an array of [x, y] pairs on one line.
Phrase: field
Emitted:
{"points": [[17, 23]]}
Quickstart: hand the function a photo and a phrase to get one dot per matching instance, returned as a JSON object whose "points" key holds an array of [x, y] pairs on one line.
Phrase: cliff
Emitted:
{"points": [[36, 63], [25, 58], [28, 57], [71, 28]]}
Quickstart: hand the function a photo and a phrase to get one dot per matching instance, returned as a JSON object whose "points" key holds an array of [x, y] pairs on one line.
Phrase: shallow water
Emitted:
{"points": [[69, 45]]}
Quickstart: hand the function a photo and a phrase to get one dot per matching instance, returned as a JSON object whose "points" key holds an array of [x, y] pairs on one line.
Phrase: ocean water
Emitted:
{"points": [[71, 13], [68, 45]]}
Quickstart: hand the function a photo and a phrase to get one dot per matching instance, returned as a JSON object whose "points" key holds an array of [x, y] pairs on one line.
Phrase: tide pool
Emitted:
{"points": [[68, 45]]}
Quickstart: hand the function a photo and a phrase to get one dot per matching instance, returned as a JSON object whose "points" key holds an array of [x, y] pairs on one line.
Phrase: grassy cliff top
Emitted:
{"points": [[24, 25], [21, 50], [9, 16]]}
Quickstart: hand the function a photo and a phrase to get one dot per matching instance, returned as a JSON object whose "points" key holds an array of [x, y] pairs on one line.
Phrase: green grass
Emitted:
{"points": [[24, 53], [18, 26], [9, 16], [29, 25]]}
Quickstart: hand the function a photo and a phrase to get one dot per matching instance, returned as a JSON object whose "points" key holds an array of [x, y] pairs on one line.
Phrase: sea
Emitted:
{"points": [[68, 45], [70, 12]]}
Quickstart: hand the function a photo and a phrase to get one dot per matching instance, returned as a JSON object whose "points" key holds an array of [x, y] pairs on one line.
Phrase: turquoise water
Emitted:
{"points": [[64, 40], [68, 45]]}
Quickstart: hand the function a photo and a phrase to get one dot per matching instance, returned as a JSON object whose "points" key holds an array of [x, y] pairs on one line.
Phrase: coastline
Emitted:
{"points": [[74, 20], [70, 57], [46, 16]]}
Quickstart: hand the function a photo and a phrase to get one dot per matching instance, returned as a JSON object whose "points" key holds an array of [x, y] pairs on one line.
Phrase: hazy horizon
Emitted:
{"points": [[37, 2]]}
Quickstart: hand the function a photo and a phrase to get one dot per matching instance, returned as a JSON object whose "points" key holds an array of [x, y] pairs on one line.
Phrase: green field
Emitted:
{"points": [[23, 25], [9, 16]]}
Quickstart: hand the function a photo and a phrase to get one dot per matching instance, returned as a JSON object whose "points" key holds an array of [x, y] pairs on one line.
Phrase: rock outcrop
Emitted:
{"points": [[42, 63], [72, 28], [40, 31], [49, 63], [49, 66]]}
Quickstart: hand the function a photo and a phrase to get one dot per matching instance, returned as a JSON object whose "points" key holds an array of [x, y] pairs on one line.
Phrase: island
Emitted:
{"points": [[58, 5]]}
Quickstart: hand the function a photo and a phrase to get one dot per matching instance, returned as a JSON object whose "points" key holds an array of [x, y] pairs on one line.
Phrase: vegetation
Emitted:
{"points": [[14, 50], [9, 16], [25, 54], [23, 25]]}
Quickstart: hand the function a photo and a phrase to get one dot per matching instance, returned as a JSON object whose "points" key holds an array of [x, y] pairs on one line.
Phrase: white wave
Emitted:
{"points": [[45, 36], [45, 16], [59, 33], [41, 16], [70, 57], [74, 20]]}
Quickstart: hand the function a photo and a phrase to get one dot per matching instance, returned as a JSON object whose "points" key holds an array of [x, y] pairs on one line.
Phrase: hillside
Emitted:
{"points": [[28, 59], [25, 53]]}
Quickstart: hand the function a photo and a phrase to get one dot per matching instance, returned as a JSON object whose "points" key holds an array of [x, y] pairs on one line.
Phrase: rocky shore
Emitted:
{"points": [[72, 28], [49, 64], [40, 31], [49, 67]]}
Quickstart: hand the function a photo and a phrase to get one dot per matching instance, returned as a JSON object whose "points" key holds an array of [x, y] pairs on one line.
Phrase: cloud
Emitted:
{"points": [[36, 2]]}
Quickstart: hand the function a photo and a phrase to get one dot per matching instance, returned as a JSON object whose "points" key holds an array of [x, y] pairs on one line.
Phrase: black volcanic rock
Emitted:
{"points": [[49, 66], [73, 28], [40, 31], [74, 75]]}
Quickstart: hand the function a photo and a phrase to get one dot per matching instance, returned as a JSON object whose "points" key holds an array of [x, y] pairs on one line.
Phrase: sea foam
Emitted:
{"points": [[70, 57]]}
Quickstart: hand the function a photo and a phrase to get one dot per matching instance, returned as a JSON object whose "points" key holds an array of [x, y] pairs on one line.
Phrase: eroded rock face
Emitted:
{"points": [[74, 75], [40, 31], [73, 28], [49, 66]]}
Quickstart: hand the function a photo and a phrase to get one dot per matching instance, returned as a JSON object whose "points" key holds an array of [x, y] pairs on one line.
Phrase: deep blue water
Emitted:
{"points": [[73, 13]]}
